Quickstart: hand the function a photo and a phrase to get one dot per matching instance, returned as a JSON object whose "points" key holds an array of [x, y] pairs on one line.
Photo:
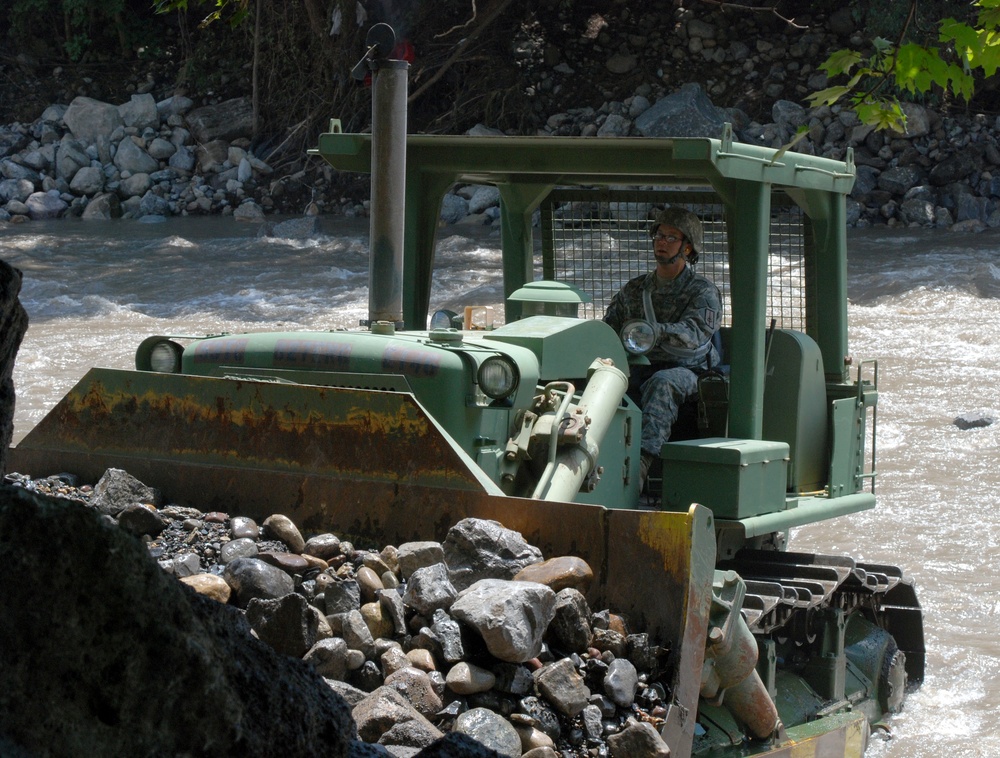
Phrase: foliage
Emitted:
{"points": [[238, 9], [948, 64], [82, 29]]}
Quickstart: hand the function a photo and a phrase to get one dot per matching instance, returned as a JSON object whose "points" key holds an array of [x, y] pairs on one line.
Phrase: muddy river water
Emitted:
{"points": [[925, 303]]}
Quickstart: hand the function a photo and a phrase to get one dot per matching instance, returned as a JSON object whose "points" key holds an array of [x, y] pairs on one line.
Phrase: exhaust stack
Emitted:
{"points": [[388, 192]]}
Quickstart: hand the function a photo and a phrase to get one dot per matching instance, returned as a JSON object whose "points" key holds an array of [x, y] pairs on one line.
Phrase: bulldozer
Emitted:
{"points": [[399, 428]]}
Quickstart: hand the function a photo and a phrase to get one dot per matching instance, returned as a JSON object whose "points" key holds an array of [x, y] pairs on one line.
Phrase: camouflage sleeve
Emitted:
{"points": [[616, 313], [698, 321]]}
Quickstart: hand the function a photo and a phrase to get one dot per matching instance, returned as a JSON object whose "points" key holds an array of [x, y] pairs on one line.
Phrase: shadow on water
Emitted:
{"points": [[883, 265]]}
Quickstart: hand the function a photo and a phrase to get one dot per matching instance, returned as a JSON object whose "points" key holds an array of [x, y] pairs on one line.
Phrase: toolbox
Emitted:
{"points": [[736, 478]]}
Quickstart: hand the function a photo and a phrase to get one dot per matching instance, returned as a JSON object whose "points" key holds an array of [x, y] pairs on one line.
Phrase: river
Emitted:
{"points": [[925, 303]]}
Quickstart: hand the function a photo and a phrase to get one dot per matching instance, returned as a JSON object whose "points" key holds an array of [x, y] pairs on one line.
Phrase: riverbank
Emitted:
{"points": [[675, 73]]}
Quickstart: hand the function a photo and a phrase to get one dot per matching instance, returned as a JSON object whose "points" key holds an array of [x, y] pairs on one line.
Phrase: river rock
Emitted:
{"points": [[280, 527], [117, 488], [430, 588], [329, 658], [449, 636], [342, 597], [182, 160], [621, 682], [70, 158], [491, 729], [685, 113], [252, 578], [285, 623], [356, 634], [103, 207], [89, 180], [414, 555], [45, 205], [134, 159], [238, 548], [244, 528], [227, 120], [379, 622], [175, 105], [88, 118], [974, 420], [569, 629], [638, 738], [393, 608], [291, 563], [15, 189], [140, 519], [297, 228], [453, 208], [511, 617], [385, 717], [468, 679], [562, 686], [415, 685], [559, 573], [209, 585], [369, 583], [477, 549], [325, 546]]}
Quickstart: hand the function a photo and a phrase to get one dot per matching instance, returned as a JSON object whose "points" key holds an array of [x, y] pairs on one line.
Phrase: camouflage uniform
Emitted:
{"points": [[687, 311]]}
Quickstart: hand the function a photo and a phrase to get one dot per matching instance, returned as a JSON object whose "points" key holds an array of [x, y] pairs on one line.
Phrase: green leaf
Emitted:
{"points": [[883, 114], [827, 96], [840, 62]]}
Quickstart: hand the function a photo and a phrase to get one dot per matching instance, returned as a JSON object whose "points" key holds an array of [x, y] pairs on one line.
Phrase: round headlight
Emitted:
{"points": [[165, 357], [638, 336], [498, 377], [443, 319]]}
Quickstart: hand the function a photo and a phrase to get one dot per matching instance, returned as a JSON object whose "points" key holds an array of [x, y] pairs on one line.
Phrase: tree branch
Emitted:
{"points": [[460, 48], [771, 9]]}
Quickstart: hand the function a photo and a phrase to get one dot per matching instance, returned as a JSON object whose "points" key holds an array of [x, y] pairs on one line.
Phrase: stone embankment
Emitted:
{"points": [[407, 635], [153, 157]]}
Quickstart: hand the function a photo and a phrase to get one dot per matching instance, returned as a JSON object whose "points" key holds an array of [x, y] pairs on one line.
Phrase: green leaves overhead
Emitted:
{"points": [[948, 67], [237, 9]]}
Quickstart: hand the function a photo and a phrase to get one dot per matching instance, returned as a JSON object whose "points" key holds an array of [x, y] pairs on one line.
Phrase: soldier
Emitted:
{"points": [[684, 309]]}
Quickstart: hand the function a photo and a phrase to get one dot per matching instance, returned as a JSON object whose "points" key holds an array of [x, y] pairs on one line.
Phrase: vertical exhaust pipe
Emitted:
{"points": [[388, 193]]}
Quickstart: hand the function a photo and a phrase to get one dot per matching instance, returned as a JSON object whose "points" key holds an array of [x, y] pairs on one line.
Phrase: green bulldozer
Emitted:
{"points": [[398, 429]]}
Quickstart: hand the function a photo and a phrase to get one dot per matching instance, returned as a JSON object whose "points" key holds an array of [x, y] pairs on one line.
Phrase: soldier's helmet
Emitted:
{"points": [[685, 221]]}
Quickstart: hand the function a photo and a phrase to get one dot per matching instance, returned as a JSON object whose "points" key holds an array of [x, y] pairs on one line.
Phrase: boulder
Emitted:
{"points": [[140, 112], [511, 617], [227, 120], [134, 159], [477, 549], [45, 205], [103, 207], [88, 119], [13, 325], [156, 668], [686, 113]]}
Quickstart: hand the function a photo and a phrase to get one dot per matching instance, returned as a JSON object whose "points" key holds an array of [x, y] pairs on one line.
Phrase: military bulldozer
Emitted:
{"points": [[397, 429]]}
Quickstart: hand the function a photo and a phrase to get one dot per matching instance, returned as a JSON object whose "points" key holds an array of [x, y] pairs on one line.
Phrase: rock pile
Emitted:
{"points": [[478, 635], [140, 158]]}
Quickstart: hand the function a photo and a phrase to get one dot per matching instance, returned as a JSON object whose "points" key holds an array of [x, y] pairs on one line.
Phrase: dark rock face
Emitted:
{"points": [[227, 120], [13, 325], [128, 661]]}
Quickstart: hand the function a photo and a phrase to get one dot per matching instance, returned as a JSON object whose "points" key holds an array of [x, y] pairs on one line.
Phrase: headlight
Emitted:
{"points": [[638, 336], [498, 377], [165, 357], [444, 319]]}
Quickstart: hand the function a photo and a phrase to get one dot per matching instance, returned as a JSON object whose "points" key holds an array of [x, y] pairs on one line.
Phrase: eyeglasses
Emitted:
{"points": [[668, 238]]}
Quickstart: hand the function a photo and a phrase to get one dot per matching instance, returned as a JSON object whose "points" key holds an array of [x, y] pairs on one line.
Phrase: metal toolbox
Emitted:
{"points": [[736, 478]]}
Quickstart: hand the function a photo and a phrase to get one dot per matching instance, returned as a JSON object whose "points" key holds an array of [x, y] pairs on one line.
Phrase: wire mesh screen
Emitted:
{"points": [[599, 239]]}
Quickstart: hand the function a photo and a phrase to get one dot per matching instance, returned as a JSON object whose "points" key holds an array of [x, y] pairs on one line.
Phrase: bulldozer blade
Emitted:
{"points": [[374, 468]]}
